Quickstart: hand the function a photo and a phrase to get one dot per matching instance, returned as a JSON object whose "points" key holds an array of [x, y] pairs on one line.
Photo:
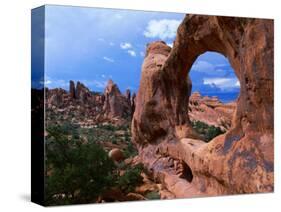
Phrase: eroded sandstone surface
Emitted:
{"points": [[211, 110], [116, 104], [239, 161]]}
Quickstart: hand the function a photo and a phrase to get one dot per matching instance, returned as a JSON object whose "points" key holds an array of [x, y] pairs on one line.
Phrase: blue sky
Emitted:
{"points": [[93, 45], [211, 72]]}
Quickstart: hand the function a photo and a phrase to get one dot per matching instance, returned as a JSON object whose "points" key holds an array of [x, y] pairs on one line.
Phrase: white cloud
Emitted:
{"points": [[220, 70], [129, 48], [163, 29], [170, 44], [126, 45], [132, 53], [142, 54], [237, 84], [108, 59], [203, 66], [96, 83], [222, 82], [111, 44], [222, 65], [54, 83], [100, 84], [47, 82]]}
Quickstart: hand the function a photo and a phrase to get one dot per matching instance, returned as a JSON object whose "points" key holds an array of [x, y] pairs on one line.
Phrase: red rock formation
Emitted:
{"points": [[211, 111], [71, 89], [80, 105], [55, 97], [83, 94], [128, 95], [240, 161], [115, 104], [88, 108]]}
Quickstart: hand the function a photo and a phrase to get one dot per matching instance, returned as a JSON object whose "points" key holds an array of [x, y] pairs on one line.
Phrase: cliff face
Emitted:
{"points": [[239, 161]]}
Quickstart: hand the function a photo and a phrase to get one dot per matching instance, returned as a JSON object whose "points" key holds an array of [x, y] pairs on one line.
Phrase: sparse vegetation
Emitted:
{"points": [[79, 171], [206, 131], [131, 178], [130, 151]]}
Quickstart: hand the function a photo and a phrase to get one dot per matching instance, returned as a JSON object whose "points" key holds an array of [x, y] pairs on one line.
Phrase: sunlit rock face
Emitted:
{"points": [[211, 111], [239, 161]]}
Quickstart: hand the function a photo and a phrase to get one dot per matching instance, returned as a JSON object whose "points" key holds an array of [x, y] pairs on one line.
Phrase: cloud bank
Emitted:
{"points": [[163, 29], [222, 83]]}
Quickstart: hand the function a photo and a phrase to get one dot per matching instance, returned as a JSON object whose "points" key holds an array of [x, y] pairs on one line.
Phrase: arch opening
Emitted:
{"points": [[187, 172], [214, 92]]}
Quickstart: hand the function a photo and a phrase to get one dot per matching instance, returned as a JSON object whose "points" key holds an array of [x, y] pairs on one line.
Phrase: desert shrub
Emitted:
{"points": [[152, 195], [67, 127], [124, 127], [108, 127], [130, 151], [78, 172], [114, 140], [206, 131], [213, 132], [131, 178], [127, 137]]}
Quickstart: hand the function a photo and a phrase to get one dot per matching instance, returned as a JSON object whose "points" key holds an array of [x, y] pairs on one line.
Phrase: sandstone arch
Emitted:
{"points": [[240, 161]]}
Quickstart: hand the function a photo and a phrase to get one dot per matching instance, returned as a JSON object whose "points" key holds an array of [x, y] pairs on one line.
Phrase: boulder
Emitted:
{"points": [[116, 155]]}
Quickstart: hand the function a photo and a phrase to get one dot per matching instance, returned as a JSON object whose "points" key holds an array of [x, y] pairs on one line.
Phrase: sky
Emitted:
{"points": [[93, 45]]}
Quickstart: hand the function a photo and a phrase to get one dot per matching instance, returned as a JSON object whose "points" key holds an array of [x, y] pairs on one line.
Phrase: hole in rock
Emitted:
{"points": [[183, 170], [215, 89], [187, 173]]}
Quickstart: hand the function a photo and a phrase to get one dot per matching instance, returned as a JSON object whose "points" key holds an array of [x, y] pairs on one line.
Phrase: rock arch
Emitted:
{"points": [[240, 161]]}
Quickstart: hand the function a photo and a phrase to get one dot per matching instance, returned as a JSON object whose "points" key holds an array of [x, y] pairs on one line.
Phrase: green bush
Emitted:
{"points": [[127, 137], [108, 127], [114, 141], [130, 151], [131, 178], [79, 172], [152, 195], [208, 132]]}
